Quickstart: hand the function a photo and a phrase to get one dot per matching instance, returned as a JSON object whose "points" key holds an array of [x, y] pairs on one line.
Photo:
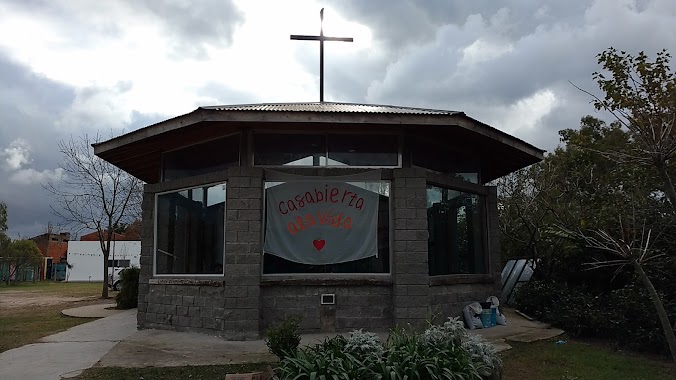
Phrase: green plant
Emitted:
{"points": [[440, 352], [127, 298], [283, 338]]}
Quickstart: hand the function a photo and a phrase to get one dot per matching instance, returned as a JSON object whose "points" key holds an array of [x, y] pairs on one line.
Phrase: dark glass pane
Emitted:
{"points": [[289, 149], [363, 150], [456, 232], [190, 231], [444, 160], [202, 158], [381, 264]]}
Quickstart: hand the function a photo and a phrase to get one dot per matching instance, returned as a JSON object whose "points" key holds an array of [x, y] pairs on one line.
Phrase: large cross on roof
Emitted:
{"points": [[321, 38]]}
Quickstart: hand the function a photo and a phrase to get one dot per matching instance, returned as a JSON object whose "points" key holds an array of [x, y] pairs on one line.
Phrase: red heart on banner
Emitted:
{"points": [[319, 244]]}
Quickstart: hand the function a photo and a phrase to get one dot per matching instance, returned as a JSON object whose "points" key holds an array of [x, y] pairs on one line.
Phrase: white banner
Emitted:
{"points": [[321, 222]]}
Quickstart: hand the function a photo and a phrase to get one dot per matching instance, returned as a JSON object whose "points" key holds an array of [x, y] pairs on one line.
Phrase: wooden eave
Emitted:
{"points": [[140, 152]]}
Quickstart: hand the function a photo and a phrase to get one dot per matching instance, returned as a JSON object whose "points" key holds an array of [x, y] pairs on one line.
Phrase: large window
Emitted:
{"points": [[190, 231], [299, 149], [455, 220], [202, 158], [380, 263]]}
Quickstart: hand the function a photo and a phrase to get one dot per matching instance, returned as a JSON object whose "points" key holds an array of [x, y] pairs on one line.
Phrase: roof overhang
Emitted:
{"points": [[139, 152]]}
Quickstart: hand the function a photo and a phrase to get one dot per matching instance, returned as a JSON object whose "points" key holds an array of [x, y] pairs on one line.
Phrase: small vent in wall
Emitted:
{"points": [[328, 299]]}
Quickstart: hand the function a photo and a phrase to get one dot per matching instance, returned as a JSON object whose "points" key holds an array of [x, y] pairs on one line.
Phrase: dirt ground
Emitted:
{"points": [[18, 299]]}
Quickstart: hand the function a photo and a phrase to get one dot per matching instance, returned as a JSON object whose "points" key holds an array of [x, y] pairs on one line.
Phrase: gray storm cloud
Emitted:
{"points": [[506, 63]]}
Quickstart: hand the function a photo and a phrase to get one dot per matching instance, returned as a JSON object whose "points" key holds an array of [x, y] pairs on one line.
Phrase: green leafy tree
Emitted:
{"points": [[641, 95], [3, 217], [4, 239], [19, 256], [576, 186]]}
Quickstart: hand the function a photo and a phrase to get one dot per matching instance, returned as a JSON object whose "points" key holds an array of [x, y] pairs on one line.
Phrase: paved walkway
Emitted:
{"points": [[92, 311], [67, 353], [113, 341], [161, 348]]}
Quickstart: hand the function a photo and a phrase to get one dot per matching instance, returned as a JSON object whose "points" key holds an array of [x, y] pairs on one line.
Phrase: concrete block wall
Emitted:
{"points": [[236, 306], [184, 306], [411, 293], [146, 260], [494, 251], [243, 253], [227, 305], [358, 306]]}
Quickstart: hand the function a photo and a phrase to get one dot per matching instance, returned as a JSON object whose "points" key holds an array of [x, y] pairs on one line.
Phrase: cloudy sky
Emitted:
{"points": [[80, 66]]}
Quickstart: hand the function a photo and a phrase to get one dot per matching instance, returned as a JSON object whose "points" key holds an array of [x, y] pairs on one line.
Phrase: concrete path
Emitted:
{"points": [[114, 342], [92, 311], [161, 348], [67, 353], [518, 329]]}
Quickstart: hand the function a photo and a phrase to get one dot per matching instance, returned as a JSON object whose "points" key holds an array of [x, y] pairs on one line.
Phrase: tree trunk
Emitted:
{"points": [[661, 312], [104, 291], [668, 185]]}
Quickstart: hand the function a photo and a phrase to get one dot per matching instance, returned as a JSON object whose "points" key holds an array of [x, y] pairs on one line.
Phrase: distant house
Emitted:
{"points": [[85, 259], [133, 232], [54, 248]]}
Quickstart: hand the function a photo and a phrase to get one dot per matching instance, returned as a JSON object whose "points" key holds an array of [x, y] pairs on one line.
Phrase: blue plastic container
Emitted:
{"points": [[494, 315], [486, 318]]}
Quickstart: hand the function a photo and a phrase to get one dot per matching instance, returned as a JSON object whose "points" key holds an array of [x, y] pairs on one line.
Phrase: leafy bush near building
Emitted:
{"points": [[625, 315], [127, 298], [440, 352], [283, 338]]}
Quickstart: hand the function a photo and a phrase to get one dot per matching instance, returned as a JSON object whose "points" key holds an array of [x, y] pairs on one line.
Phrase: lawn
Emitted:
{"points": [[25, 326], [542, 360], [70, 289], [577, 360], [30, 311]]}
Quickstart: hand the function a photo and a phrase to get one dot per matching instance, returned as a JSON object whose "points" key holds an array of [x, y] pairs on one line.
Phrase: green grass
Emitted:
{"points": [[542, 360], [21, 325], [26, 326], [207, 372], [72, 289], [545, 360]]}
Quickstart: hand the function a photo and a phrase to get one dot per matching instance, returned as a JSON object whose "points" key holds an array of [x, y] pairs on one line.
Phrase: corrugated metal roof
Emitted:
{"points": [[331, 107]]}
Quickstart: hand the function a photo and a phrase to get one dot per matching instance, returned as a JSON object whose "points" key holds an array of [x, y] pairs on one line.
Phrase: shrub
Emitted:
{"points": [[567, 307], [363, 344], [127, 298], [625, 315], [283, 338], [440, 352]]}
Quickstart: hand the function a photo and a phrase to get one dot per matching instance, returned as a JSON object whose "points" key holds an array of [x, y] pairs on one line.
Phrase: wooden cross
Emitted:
{"points": [[321, 38]]}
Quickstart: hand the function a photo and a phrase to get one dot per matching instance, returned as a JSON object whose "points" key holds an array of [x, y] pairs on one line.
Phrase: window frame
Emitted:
{"points": [[485, 225], [329, 276], [155, 217], [326, 135]]}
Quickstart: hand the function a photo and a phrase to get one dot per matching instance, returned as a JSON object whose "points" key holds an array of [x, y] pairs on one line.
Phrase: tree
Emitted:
{"points": [[641, 95], [3, 217], [4, 239], [94, 194], [19, 256], [633, 247]]}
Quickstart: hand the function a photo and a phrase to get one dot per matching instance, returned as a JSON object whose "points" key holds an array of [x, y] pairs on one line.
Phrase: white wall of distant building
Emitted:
{"points": [[86, 258]]}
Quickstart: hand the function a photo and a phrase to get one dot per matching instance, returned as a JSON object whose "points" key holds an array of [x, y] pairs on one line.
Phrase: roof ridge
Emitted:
{"points": [[328, 107]]}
